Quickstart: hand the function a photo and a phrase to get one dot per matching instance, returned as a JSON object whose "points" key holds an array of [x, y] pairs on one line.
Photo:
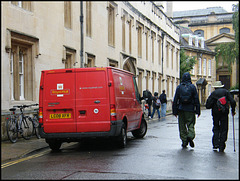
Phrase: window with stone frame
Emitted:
{"points": [[159, 50], [22, 49], [209, 68], [70, 58], [200, 66], [89, 18], [204, 66], [153, 36], [167, 54], [113, 63], [147, 35], [90, 60], [153, 80], [111, 25], [160, 83], [147, 79], [172, 56], [68, 14], [140, 79], [177, 59], [130, 34], [139, 36], [224, 30], [124, 32], [168, 86]]}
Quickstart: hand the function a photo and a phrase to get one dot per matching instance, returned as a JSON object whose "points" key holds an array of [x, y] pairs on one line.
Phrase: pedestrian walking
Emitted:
{"points": [[156, 105], [148, 98], [219, 115], [185, 106], [163, 99]]}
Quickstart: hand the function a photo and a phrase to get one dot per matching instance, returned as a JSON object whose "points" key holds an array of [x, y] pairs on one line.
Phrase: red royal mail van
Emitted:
{"points": [[89, 102]]}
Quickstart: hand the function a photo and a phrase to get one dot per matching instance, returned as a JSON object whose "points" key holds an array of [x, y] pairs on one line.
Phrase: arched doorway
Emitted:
{"points": [[129, 65]]}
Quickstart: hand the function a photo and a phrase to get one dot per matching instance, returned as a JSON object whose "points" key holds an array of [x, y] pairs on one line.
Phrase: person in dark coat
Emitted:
{"points": [[186, 112], [220, 120], [163, 99], [155, 106], [149, 102]]}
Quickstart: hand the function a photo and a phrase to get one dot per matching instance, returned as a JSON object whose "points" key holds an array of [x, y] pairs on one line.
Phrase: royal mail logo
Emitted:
{"points": [[65, 92], [60, 91]]}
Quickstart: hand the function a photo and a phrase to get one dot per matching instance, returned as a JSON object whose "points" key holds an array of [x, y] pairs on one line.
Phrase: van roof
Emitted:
{"points": [[84, 69]]}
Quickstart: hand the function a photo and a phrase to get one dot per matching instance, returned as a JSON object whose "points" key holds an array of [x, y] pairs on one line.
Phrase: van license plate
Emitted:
{"points": [[60, 116]]}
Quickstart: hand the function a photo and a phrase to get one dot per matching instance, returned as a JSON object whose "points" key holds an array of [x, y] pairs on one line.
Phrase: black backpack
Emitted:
{"points": [[145, 94], [222, 104], [185, 93]]}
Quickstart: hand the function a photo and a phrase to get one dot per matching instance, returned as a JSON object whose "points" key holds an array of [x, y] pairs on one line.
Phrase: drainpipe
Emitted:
{"points": [[81, 21]]}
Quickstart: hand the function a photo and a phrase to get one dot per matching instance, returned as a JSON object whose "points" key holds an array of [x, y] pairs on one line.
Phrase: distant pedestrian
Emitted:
{"points": [[156, 105], [185, 106], [148, 98], [163, 99], [220, 118]]}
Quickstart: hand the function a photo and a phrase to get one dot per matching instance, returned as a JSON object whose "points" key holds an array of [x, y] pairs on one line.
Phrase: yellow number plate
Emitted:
{"points": [[60, 116]]}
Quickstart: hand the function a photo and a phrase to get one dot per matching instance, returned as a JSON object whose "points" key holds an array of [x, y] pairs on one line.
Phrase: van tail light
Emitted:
{"points": [[113, 114], [40, 115]]}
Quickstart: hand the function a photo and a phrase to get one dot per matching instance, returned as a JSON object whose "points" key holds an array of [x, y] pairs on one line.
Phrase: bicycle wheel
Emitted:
{"points": [[36, 129], [12, 130], [27, 128]]}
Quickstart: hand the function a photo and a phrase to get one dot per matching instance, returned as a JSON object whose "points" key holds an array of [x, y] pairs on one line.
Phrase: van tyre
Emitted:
{"points": [[141, 132], [54, 145], [122, 138]]}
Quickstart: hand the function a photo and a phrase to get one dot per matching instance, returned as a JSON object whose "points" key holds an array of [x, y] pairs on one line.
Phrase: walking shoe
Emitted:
{"points": [[215, 147], [184, 145], [221, 150], [190, 142]]}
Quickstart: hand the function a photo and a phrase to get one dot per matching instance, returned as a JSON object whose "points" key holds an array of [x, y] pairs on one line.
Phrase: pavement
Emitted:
{"points": [[11, 151]]}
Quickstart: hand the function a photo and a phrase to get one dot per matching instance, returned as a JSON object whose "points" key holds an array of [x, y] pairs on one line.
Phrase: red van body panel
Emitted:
{"points": [[87, 102]]}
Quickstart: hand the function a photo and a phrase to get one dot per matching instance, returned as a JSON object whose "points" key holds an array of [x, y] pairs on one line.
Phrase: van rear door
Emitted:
{"points": [[92, 100], [59, 101]]}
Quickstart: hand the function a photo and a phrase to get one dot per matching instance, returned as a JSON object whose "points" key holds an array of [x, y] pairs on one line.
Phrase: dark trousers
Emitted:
{"points": [[149, 110], [186, 125], [220, 130]]}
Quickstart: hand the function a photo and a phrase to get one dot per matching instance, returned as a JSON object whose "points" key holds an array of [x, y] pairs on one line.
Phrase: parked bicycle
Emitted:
{"points": [[21, 124], [36, 123]]}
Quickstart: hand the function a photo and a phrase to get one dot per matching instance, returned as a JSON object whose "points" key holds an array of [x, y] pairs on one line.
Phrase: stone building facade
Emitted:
{"points": [[214, 24], [38, 35]]}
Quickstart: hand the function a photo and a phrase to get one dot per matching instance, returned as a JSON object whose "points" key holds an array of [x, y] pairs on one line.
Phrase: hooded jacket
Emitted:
{"points": [[194, 106]]}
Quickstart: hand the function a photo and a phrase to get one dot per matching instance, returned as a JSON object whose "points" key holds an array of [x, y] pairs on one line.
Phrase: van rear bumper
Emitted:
{"points": [[114, 131]]}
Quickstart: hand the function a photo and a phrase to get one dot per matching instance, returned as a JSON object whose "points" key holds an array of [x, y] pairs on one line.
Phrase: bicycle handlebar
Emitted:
{"points": [[24, 106]]}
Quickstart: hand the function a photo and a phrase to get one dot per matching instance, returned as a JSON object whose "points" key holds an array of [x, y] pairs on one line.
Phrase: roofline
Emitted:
{"points": [[198, 50], [205, 24], [199, 15], [232, 36]]}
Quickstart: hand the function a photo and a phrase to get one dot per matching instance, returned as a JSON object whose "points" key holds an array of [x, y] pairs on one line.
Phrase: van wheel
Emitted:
{"points": [[122, 138], [54, 145], [140, 133]]}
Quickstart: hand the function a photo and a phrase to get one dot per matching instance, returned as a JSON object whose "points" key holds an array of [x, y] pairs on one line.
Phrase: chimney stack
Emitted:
{"points": [[169, 12]]}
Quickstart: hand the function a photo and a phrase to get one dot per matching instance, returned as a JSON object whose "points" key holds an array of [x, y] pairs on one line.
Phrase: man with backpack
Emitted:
{"points": [[185, 106], [218, 101], [156, 104]]}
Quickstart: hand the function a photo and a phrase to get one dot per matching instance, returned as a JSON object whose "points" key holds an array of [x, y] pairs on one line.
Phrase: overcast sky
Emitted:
{"points": [[192, 5]]}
